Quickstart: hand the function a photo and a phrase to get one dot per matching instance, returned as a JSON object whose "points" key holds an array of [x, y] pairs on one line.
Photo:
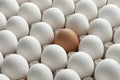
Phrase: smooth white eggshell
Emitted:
{"points": [[3, 21], [88, 8], [111, 13], [3, 77], [100, 3], [9, 7], [92, 45], [22, 1], [54, 56], [30, 48], [113, 52], [30, 12], [18, 26], [43, 32], [82, 63], [54, 17], [101, 28], [43, 4], [66, 6], [116, 38], [116, 2], [78, 23], [39, 72], [67, 74], [107, 69], [1, 58], [8, 42], [15, 67]]}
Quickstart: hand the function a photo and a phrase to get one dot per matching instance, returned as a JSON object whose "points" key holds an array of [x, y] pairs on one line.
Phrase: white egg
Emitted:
{"points": [[30, 12], [111, 13], [54, 17], [116, 2], [1, 59], [116, 38], [43, 4], [100, 3], [18, 26], [22, 1], [67, 74], [88, 8], [43, 32], [9, 7], [54, 56], [30, 48], [39, 72], [92, 45], [101, 28], [66, 6], [3, 77], [78, 23], [3, 21], [82, 63], [8, 42], [113, 52], [15, 67], [107, 69]]}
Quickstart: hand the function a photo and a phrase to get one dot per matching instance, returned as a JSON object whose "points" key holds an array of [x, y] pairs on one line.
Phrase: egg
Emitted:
{"points": [[67, 74], [116, 38], [100, 3], [15, 67], [43, 4], [111, 13], [22, 1], [67, 39], [54, 56], [39, 72], [43, 32], [8, 42], [3, 77], [92, 45], [79, 62], [54, 17], [113, 52], [78, 23], [3, 21], [30, 48], [30, 12], [101, 28], [66, 6], [107, 69], [1, 59], [88, 8], [116, 2], [9, 7], [18, 26]]}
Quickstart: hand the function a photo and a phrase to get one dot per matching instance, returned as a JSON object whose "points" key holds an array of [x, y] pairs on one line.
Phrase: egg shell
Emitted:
{"points": [[9, 7], [116, 2], [82, 63], [107, 69], [15, 67], [116, 38], [3, 77], [88, 8], [1, 59], [78, 23], [111, 13], [100, 3], [18, 26], [113, 52], [43, 4], [67, 39], [66, 6], [67, 74], [54, 17], [43, 32], [30, 12], [3, 21], [22, 1], [92, 45], [8, 42], [30, 48], [39, 72], [54, 56], [101, 28]]}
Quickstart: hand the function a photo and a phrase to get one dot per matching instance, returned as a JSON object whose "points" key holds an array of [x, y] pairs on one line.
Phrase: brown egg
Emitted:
{"points": [[67, 39]]}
